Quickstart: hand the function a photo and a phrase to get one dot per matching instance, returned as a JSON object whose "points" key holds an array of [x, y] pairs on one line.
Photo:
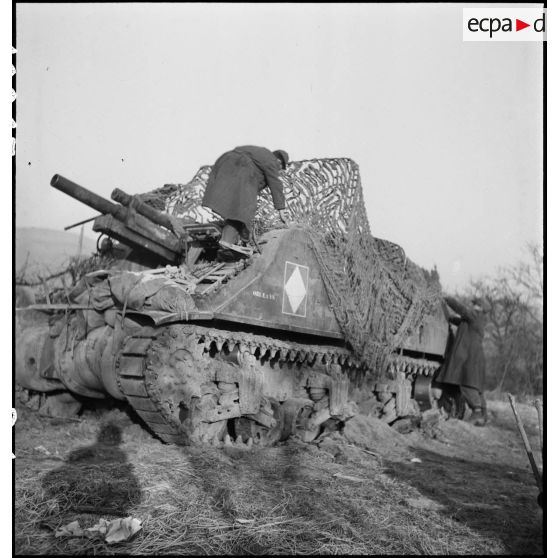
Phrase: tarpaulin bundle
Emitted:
{"points": [[378, 295]]}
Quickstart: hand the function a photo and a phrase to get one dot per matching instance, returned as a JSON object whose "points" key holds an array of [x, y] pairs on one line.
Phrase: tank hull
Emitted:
{"points": [[322, 317], [257, 356]]}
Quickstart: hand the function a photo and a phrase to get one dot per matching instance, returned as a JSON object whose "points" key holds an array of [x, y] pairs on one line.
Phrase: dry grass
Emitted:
{"points": [[281, 500]]}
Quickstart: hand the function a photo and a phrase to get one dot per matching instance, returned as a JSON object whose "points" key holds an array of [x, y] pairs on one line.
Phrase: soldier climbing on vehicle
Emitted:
{"points": [[236, 179]]}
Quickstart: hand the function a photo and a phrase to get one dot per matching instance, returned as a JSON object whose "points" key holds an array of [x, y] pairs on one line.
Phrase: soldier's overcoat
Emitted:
{"points": [[236, 179], [465, 364]]}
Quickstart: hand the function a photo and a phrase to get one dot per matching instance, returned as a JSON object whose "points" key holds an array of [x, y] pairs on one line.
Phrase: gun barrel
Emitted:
{"points": [[146, 210], [140, 231], [87, 197]]}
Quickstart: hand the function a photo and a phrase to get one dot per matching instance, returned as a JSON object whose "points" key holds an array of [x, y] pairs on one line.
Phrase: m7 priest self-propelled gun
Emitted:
{"points": [[321, 318]]}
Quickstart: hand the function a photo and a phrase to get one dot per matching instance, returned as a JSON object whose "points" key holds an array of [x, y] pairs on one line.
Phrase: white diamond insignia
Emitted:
{"points": [[295, 289]]}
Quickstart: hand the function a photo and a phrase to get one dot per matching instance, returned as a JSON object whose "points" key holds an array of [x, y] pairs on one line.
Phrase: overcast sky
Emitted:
{"points": [[447, 134]]}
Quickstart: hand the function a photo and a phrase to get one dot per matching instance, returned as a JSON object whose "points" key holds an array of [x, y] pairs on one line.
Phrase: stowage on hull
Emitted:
{"points": [[248, 350]]}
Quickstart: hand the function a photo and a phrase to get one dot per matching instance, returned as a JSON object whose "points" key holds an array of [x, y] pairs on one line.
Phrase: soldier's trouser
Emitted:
{"points": [[474, 397], [235, 230]]}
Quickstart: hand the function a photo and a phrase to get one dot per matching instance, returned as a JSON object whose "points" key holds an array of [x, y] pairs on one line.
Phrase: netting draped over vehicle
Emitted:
{"points": [[378, 295]]}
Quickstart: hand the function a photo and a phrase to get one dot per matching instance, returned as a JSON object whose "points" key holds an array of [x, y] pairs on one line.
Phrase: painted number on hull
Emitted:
{"points": [[266, 296], [295, 289]]}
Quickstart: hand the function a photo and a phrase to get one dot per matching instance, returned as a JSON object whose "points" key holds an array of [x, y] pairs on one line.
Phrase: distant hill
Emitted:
{"points": [[46, 251]]}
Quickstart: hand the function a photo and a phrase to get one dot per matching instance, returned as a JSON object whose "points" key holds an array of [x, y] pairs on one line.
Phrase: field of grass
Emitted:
{"points": [[457, 489]]}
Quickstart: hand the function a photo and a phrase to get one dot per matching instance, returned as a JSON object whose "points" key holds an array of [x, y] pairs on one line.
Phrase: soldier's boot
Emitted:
{"points": [[231, 252], [478, 417], [233, 236], [460, 406], [485, 413]]}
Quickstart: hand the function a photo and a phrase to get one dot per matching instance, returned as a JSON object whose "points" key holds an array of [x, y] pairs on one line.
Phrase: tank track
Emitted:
{"points": [[193, 384]]}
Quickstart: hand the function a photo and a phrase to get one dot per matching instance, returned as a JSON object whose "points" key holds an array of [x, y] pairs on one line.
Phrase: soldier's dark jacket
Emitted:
{"points": [[236, 179], [466, 363]]}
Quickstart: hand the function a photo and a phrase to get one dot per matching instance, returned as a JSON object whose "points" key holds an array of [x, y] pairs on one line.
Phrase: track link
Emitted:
{"points": [[174, 377], [131, 368]]}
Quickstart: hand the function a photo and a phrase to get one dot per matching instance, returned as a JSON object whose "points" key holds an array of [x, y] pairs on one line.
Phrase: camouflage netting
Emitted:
{"points": [[377, 294]]}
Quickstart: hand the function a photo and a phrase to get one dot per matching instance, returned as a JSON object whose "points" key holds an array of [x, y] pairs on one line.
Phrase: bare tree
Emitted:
{"points": [[54, 287], [528, 276], [514, 333]]}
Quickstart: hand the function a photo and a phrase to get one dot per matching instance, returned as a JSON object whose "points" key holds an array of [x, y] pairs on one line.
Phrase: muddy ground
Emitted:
{"points": [[451, 488]]}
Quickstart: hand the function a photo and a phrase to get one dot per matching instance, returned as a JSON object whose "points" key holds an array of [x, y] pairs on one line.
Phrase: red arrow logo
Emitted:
{"points": [[519, 25]]}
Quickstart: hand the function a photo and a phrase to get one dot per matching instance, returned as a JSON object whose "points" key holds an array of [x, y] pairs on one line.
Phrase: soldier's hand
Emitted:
{"points": [[284, 216]]}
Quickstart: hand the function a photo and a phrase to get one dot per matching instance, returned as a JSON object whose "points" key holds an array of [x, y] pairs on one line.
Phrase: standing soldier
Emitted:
{"points": [[232, 190], [465, 365]]}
